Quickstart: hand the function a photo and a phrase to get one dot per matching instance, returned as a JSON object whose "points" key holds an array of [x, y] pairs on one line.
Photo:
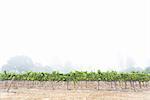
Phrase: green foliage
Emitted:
{"points": [[77, 76]]}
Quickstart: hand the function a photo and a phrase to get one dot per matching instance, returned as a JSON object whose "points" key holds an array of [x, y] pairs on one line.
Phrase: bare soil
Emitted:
{"points": [[42, 94]]}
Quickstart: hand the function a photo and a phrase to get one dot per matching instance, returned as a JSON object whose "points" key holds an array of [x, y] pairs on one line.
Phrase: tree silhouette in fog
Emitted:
{"points": [[18, 64]]}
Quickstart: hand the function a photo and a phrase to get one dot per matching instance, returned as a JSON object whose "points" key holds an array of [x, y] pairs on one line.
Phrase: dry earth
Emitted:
{"points": [[40, 94]]}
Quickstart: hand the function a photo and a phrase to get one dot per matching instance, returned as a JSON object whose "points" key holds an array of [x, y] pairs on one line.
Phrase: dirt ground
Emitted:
{"points": [[38, 94]]}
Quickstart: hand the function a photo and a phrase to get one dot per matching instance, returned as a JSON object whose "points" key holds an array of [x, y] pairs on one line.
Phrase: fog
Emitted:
{"points": [[22, 63], [68, 35], [19, 64]]}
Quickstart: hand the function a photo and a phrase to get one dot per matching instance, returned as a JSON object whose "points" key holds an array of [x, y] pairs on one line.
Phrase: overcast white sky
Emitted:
{"points": [[97, 33]]}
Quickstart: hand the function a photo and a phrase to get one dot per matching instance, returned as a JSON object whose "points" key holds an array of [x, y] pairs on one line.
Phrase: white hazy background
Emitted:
{"points": [[89, 34]]}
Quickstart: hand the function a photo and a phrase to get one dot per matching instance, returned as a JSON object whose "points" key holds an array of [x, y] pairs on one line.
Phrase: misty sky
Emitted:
{"points": [[99, 34]]}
